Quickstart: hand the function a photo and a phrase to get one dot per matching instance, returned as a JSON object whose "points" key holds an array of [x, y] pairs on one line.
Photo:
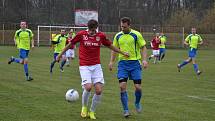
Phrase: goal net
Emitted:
{"points": [[46, 33]]}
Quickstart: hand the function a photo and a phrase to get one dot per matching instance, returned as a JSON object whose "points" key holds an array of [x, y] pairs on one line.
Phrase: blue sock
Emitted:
{"points": [[138, 95], [183, 64], [17, 60], [124, 100], [26, 70], [63, 63], [195, 66], [52, 65]]}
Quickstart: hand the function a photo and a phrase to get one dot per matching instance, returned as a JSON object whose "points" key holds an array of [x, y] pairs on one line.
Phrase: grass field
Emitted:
{"points": [[168, 94]]}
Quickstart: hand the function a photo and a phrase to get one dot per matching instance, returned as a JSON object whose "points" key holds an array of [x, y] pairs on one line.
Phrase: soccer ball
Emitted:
{"points": [[72, 95]]}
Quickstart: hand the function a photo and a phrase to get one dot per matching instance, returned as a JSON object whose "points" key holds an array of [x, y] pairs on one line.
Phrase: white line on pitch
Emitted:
{"points": [[200, 98]]}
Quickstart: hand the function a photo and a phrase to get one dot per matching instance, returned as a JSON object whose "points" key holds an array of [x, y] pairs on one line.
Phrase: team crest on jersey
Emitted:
{"points": [[97, 38], [85, 37]]}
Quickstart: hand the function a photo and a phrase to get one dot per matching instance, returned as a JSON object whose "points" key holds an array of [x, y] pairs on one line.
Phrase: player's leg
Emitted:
{"points": [[191, 54], [87, 86], [195, 66], [62, 62], [138, 95], [163, 54], [136, 76], [28, 77], [24, 56], [98, 81], [85, 98], [17, 60], [156, 56], [150, 57], [185, 62], [96, 99], [122, 76], [53, 62], [124, 96], [68, 55]]}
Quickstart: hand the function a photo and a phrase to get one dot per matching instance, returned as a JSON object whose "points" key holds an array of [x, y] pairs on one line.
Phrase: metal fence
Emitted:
{"points": [[175, 34]]}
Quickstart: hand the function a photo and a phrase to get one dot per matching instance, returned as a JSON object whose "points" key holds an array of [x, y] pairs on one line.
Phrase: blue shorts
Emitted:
{"points": [[55, 55], [162, 50], [192, 52], [129, 69], [23, 53]]}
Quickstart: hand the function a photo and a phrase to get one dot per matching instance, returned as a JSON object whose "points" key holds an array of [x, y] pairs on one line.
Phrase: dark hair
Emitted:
{"points": [[126, 20], [92, 24]]}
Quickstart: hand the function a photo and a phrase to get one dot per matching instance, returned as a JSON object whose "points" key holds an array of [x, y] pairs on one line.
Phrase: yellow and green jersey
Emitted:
{"points": [[193, 40], [73, 35], [163, 40], [59, 42], [129, 42], [23, 38]]}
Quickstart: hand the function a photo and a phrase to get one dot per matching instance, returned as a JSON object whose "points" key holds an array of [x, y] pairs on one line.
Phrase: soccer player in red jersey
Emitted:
{"points": [[90, 67], [155, 42]]}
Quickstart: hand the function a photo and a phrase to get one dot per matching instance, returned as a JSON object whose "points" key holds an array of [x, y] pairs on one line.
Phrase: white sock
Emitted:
{"points": [[95, 101], [85, 97]]}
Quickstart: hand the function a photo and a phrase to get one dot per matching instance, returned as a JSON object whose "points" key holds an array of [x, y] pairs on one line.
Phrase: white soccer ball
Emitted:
{"points": [[72, 95]]}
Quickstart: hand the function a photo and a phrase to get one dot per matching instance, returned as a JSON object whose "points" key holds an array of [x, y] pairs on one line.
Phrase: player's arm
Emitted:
{"points": [[112, 59], [143, 50], [200, 43], [64, 50], [186, 41], [117, 50], [31, 37], [73, 41], [144, 56], [200, 40], [32, 42], [15, 39]]}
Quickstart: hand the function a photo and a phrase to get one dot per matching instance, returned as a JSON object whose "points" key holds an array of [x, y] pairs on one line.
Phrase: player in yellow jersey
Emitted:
{"points": [[129, 68], [192, 40], [162, 46], [24, 40]]}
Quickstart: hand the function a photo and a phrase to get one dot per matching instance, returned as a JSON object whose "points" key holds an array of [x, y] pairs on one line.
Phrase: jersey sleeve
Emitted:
{"points": [[16, 38], [105, 41], [200, 38], [141, 41], [16, 35], [77, 38], [115, 41], [31, 34], [187, 39]]}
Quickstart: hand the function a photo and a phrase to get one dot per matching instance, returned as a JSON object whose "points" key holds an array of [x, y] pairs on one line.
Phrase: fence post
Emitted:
{"points": [[3, 34], [182, 38], [38, 36]]}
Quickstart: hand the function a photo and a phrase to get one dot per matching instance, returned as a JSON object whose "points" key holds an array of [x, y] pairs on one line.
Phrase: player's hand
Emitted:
{"points": [[145, 64], [126, 54], [110, 66], [58, 58]]}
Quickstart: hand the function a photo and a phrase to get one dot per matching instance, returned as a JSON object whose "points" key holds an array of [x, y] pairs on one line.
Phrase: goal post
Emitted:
{"points": [[44, 33]]}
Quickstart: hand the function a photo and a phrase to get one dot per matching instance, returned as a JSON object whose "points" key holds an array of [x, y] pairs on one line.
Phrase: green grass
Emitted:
{"points": [[167, 93]]}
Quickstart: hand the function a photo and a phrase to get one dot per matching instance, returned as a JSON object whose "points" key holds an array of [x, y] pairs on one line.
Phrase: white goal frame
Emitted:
{"points": [[50, 28]]}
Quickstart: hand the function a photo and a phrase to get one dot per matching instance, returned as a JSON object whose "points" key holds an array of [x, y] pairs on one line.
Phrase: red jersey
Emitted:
{"points": [[72, 46], [89, 49], [155, 43]]}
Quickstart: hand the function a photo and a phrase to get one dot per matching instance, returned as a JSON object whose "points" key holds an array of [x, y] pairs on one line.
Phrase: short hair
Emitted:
{"points": [[126, 20], [92, 24]]}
